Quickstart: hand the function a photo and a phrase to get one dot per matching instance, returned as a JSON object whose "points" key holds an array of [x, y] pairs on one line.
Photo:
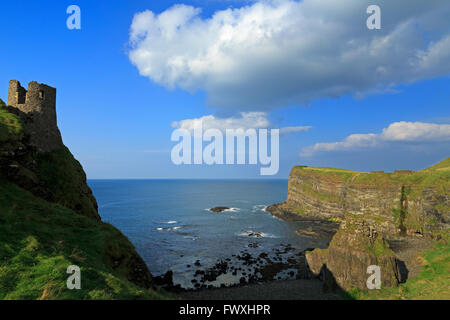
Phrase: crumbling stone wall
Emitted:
{"points": [[37, 107]]}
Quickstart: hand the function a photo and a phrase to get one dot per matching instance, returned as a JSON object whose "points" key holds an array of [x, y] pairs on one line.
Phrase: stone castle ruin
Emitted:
{"points": [[37, 108]]}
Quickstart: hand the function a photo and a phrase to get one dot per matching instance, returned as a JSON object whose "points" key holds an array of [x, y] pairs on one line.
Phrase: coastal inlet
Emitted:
{"points": [[203, 233]]}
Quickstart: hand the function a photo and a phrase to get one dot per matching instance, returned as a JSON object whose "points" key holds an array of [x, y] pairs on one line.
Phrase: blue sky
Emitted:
{"points": [[116, 116]]}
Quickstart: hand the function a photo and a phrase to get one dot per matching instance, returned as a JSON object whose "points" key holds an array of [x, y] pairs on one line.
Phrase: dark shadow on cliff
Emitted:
{"points": [[396, 246], [404, 272], [330, 284]]}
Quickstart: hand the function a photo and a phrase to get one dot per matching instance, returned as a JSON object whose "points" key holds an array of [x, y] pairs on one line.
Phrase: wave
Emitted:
{"points": [[276, 218], [256, 234], [169, 222], [259, 207], [168, 229]]}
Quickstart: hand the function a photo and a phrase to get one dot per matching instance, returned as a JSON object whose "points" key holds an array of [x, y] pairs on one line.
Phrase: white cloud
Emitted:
{"points": [[275, 52], [402, 131], [246, 120], [416, 131]]}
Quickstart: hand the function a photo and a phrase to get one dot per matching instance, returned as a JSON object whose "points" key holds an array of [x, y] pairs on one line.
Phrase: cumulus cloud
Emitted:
{"points": [[407, 132], [416, 131], [276, 52], [246, 120]]}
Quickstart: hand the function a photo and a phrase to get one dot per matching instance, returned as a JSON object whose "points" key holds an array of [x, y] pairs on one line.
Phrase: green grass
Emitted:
{"points": [[39, 240], [432, 284], [435, 175], [308, 189], [441, 166], [338, 174], [57, 175], [11, 127], [63, 178]]}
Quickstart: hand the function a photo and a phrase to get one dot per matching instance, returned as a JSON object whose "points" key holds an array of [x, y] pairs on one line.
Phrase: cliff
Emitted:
{"points": [[374, 210], [49, 218], [32, 154], [411, 202], [354, 248]]}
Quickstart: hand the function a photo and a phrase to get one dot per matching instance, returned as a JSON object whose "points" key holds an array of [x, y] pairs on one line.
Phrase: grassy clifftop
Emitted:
{"points": [[434, 175], [49, 221]]}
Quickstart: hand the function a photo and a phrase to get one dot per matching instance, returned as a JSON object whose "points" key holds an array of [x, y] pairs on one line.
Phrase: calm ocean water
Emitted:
{"points": [[169, 223]]}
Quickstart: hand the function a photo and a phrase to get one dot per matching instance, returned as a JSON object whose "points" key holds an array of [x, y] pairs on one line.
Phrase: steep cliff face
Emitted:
{"points": [[354, 248], [414, 202], [54, 175], [47, 205], [371, 207]]}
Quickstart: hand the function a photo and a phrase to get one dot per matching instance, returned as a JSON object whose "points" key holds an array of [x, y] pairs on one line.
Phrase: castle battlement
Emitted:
{"points": [[38, 97], [38, 108]]}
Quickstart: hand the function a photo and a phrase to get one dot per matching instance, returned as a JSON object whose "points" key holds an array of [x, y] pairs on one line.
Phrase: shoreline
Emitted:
{"points": [[262, 275]]}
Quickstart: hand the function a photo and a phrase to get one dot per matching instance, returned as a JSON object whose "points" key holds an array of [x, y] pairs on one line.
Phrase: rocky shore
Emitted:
{"points": [[281, 263], [251, 274]]}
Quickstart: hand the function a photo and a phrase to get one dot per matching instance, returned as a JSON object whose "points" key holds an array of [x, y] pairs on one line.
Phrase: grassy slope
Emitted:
{"points": [[432, 284], [10, 126], [434, 175], [60, 175], [63, 177], [39, 240]]}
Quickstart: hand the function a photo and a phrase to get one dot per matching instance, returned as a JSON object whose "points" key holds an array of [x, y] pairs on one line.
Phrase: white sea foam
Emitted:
{"points": [[169, 229], [275, 217], [259, 207], [170, 222], [256, 234]]}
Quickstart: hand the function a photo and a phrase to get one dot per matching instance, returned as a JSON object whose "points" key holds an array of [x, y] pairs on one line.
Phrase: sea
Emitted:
{"points": [[171, 225]]}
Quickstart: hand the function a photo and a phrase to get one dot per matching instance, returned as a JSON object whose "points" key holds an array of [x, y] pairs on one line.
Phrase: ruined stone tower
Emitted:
{"points": [[37, 106]]}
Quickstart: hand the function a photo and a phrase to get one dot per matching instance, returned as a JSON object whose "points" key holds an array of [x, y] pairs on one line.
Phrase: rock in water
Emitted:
{"points": [[354, 248], [219, 209]]}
